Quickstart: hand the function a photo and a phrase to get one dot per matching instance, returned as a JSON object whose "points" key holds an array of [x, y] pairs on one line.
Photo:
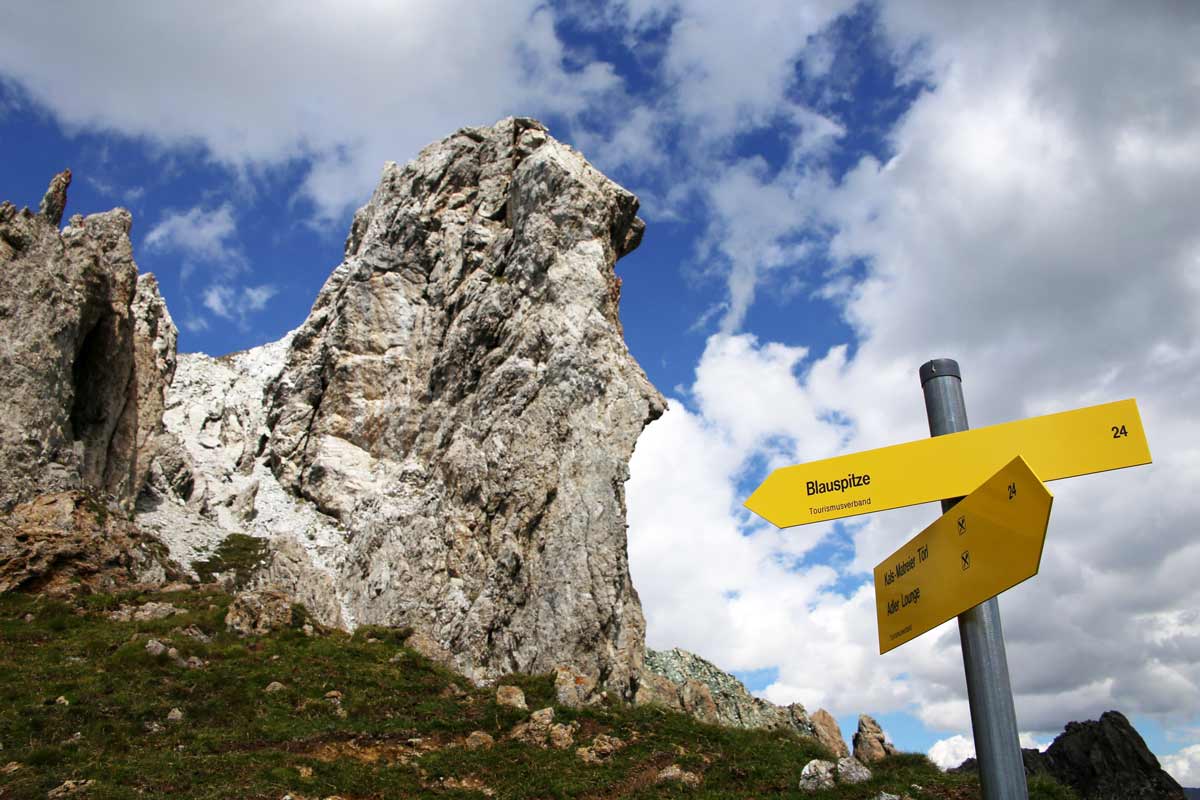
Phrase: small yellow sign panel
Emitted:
{"points": [[987, 543], [1063, 445]]}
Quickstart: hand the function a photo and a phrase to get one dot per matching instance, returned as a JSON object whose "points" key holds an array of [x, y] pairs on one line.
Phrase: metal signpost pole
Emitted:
{"points": [[989, 692]]}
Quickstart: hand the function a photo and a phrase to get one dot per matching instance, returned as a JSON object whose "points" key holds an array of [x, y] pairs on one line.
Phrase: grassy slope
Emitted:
{"points": [[399, 736]]}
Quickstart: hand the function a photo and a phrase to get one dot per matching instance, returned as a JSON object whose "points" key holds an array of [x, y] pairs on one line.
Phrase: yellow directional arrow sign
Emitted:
{"points": [[1079, 442], [987, 543]]}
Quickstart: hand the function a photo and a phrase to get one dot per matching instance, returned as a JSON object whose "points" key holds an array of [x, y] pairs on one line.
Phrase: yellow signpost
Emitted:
{"points": [[984, 543], [989, 542], [1093, 439]]}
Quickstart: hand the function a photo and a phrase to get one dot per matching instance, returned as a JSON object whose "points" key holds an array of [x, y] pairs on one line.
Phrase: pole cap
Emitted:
{"points": [[939, 368]]}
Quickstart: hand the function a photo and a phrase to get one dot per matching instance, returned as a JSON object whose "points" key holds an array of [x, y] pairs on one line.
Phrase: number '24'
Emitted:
{"points": [[1119, 431]]}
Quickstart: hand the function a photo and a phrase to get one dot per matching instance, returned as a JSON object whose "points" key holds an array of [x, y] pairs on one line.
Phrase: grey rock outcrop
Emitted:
{"points": [[86, 351], [1103, 759], [448, 433], [462, 399], [66, 352], [1107, 759], [54, 202], [154, 342], [686, 682]]}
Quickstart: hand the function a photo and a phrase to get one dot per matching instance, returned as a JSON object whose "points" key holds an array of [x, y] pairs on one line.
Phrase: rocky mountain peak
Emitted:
{"points": [[1104, 759], [446, 437]]}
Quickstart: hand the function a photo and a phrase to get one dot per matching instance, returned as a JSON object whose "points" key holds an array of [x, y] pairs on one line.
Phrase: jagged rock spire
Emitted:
{"points": [[55, 200]]}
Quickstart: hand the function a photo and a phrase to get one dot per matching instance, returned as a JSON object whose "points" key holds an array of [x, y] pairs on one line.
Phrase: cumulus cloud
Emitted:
{"points": [[1035, 223], [198, 233], [952, 751], [1184, 766], [725, 74], [345, 86], [237, 303]]}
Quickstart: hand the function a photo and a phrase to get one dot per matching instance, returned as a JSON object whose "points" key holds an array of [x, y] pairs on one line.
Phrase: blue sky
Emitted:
{"points": [[834, 191]]}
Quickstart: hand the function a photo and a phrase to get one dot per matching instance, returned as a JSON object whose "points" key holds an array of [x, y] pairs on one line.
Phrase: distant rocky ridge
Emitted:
{"points": [[1103, 759]]}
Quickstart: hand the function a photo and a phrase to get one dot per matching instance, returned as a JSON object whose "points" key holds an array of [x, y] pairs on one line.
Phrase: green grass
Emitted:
{"points": [[238, 741], [238, 554]]}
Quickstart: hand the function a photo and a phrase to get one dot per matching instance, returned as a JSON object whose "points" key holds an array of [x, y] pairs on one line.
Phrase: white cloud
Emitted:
{"points": [[195, 324], [200, 235], [1036, 223], [729, 73], [349, 85], [731, 70], [237, 303], [951, 752], [1184, 766]]}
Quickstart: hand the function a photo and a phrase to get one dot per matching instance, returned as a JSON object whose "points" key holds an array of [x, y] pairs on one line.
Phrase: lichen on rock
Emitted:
{"points": [[686, 682]]}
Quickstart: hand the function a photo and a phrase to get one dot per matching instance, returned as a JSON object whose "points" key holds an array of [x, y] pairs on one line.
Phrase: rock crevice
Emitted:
{"points": [[80, 386]]}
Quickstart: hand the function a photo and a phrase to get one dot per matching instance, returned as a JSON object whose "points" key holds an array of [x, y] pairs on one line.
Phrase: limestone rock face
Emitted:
{"points": [[447, 435], [686, 682], [208, 480], [67, 352], [154, 340], [462, 401]]}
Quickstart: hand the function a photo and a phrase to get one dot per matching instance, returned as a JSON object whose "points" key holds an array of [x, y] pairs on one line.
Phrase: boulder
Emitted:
{"points": [[869, 742], [677, 774], [69, 789], [147, 612], [817, 775], [511, 696], [541, 730], [828, 733], [600, 750], [69, 542], [478, 740], [850, 770], [259, 612]]}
